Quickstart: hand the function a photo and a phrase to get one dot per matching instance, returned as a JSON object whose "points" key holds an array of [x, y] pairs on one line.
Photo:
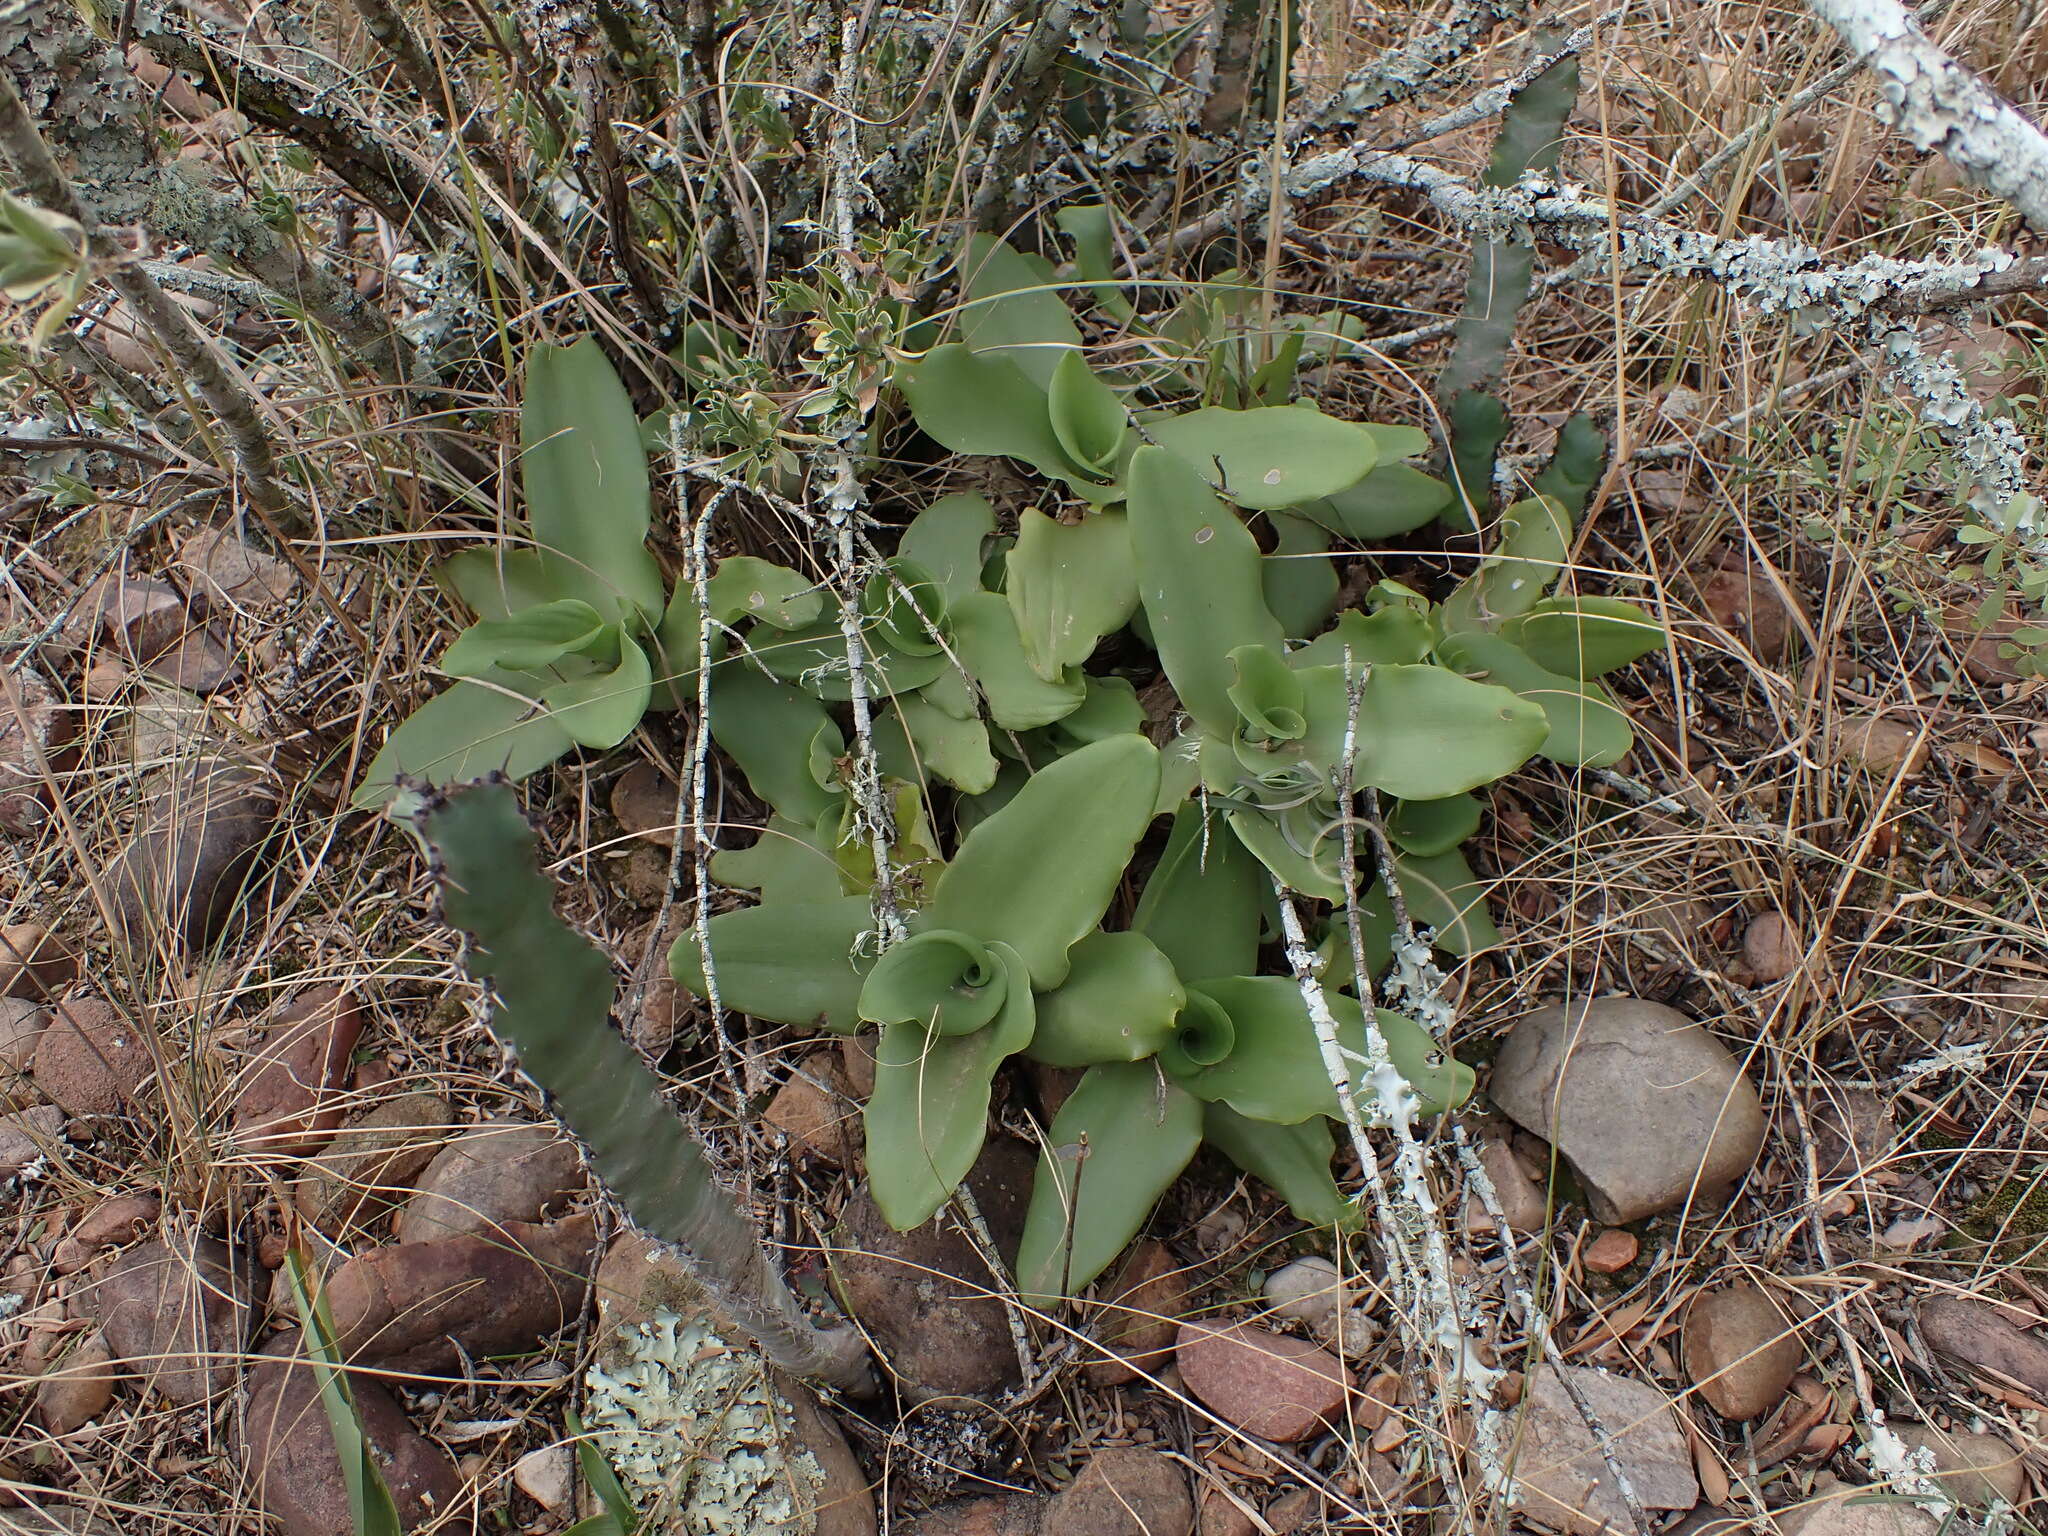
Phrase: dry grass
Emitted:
{"points": [[1915, 897]]}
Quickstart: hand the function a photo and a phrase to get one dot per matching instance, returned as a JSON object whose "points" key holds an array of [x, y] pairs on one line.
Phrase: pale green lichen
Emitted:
{"points": [[699, 1435]]}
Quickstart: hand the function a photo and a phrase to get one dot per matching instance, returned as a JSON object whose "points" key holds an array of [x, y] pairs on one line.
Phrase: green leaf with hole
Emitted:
{"points": [[1202, 900], [1293, 1160], [1393, 499], [602, 708], [1118, 1143], [1012, 310], [1426, 732], [1585, 636], [1275, 1069], [1584, 728], [1199, 580], [531, 640], [1087, 416], [485, 725], [585, 473], [948, 539], [990, 647], [1040, 872], [1535, 538], [746, 587], [1069, 585], [928, 1116], [779, 736], [799, 963], [1118, 1003], [1271, 456]]}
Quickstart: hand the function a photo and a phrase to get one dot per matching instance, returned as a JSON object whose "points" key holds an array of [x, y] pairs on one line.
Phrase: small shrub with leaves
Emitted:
{"points": [[1042, 697]]}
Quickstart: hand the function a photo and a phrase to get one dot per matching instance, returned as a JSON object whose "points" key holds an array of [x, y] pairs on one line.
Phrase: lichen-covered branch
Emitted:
{"points": [[1938, 104]]}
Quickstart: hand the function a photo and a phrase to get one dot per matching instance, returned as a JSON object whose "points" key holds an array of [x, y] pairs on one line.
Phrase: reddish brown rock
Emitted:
{"points": [[216, 565], [109, 1224], [1771, 947], [74, 1374], [91, 1060], [371, 1163], [645, 803], [1562, 1480], [36, 733], [191, 867], [1984, 1339], [175, 1313], [290, 1097], [1002, 1514], [34, 963], [1741, 1351], [1267, 1384], [816, 1110], [409, 1307], [1139, 1315], [289, 1451], [1743, 599], [498, 1172], [1881, 744], [26, 1135], [1123, 1492], [1611, 1252]]}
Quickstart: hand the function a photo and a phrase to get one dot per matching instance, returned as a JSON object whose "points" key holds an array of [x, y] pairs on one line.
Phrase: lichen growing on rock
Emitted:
{"points": [[699, 1435]]}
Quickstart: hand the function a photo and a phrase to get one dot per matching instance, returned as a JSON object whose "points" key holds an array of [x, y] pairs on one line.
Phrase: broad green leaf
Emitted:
{"points": [[1087, 416], [678, 649], [1395, 442], [1271, 455], [1298, 846], [585, 473], [1300, 585], [1535, 537], [943, 981], [1118, 1143], [934, 743], [480, 726], [1584, 728], [947, 538], [1069, 584], [1268, 695], [1294, 1160], [1393, 635], [1202, 899], [928, 1116], [788, 862], [1432, 826], [1393, 499], [815, 659], [1275, 1071], [1118, 1003], [745, 587], [906, 607], [1425, 732], [1013, 311], [600, 710], [1198, 578], [974, 402], [1088, 226], [1040, 873], [496, 583], [773, 732], [797, 963], [986, 639], [1439, 892], [530, 640], [1586, 636], [1111, 708]]}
